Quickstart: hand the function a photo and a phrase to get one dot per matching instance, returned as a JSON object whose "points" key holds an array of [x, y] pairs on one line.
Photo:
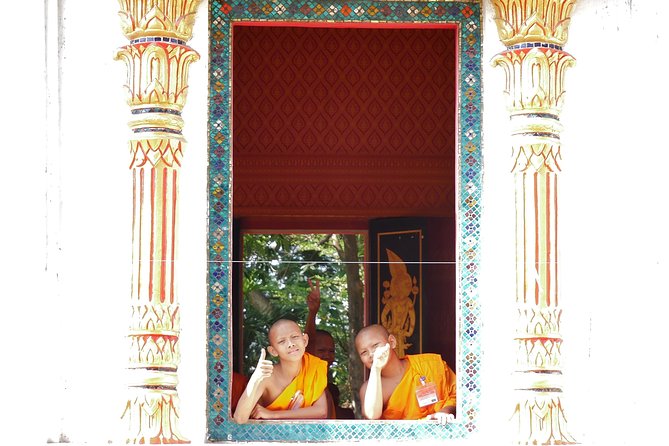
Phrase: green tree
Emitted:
{"points": [[276, 269]]}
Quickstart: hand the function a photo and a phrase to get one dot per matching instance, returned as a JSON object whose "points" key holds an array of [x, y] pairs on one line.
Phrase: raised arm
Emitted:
{"points": [[371, 393], [254, 389], [313, 304]]}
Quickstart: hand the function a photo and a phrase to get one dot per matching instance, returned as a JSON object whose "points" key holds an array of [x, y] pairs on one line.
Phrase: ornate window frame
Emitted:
{"points": [[466, 16]]}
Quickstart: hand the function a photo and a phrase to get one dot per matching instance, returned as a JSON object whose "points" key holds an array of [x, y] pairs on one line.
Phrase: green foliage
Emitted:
{"points": [[276, 269]]}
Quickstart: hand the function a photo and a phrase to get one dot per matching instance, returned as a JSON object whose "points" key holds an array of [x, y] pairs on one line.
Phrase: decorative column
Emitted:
{"points": [[534, 32], [158, 60]]}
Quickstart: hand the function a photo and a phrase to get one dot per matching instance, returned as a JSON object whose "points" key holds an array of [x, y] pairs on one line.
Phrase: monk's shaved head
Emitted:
{"points": [[371, 338], [375, 329], [281, 323]]}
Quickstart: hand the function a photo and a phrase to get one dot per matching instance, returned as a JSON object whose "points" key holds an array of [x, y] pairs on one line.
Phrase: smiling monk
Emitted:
{"points": [[410, 388], [292, 389]]}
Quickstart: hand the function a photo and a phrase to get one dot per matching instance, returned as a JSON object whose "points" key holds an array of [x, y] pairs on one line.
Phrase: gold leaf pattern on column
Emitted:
{"points": [[533, 20], [158, 60], [534, 63], [172, 18]]}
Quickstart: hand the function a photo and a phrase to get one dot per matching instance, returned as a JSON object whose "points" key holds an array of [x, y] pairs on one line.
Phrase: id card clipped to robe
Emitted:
{"points": [[426, 393]]}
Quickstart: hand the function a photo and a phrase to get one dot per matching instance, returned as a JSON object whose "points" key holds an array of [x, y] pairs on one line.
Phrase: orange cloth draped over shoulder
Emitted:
{"points": [[403, 404], [312, 381]]}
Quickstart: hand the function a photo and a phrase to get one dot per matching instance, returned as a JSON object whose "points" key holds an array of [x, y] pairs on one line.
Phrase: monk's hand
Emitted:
{"points": [[263, 370], [441, 417], [381, 355], [261, 413], [314, 297], [297, 401]]}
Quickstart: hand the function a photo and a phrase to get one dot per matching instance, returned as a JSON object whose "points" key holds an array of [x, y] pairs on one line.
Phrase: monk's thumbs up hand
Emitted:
{"points": [[263, 370], [381, 355]]}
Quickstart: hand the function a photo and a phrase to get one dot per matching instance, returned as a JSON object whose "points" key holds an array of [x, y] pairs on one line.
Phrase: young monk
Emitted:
{"points": [[410, 388], [292, 389]]}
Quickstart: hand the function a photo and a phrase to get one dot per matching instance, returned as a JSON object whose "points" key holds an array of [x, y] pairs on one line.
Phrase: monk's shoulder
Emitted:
{"points": [[316, 361], [425, 363], [314, 365]]}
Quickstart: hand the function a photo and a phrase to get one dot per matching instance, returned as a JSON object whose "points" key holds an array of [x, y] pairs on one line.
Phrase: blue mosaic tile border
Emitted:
{"points": [[467, 15]]}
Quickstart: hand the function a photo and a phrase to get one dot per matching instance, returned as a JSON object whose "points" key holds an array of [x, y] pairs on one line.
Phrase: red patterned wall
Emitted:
{"points": [[343, 122]]}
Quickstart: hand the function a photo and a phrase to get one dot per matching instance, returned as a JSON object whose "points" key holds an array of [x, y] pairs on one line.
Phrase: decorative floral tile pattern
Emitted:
{"points": [[467, 15]]}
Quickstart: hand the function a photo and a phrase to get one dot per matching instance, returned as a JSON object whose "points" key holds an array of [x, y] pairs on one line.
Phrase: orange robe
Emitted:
{"points": [[312, 381], [403, 404]]}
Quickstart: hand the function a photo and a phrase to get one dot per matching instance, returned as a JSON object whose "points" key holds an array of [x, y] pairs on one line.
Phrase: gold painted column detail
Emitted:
{"points": [[534, 32], [158, 60]]}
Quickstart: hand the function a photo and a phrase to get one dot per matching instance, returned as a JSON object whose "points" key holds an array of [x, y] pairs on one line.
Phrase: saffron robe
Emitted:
{"points": [[403, 404], [311, 380]]}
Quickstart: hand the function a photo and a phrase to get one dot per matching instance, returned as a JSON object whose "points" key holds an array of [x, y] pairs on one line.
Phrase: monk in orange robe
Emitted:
{"points": [[410, 388], [292, 389]]}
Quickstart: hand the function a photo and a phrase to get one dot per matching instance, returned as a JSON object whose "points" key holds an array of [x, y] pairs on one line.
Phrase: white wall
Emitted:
{"points": [[66, 234], [614, 218], [23, 201], [497, 274], [66, 229]]}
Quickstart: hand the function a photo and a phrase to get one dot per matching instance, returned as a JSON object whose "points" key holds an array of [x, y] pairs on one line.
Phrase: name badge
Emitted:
{"points": [[426, 393]]}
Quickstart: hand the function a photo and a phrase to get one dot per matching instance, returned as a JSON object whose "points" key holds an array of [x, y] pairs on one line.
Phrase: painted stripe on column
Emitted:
{"points": [[523, 222], [135, 258], [548, 240], [174, 230], [141, 214], [163, 235], [555, 224], [151, 243], [536, 239]]}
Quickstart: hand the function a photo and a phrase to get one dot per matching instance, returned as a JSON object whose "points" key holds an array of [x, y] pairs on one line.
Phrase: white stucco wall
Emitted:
{"points": [[65, 235], [614, 219]]}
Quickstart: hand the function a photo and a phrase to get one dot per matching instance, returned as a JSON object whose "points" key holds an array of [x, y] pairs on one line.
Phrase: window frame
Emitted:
{"points": [[465, 16]]}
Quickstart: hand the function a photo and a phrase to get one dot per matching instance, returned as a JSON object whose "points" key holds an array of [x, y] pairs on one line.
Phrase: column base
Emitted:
{"points": [[539, 419], [153, 417]]}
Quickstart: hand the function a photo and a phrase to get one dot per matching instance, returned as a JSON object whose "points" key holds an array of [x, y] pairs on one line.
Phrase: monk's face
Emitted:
{"points": [[287, 341], [368, 341], [324, 347]]}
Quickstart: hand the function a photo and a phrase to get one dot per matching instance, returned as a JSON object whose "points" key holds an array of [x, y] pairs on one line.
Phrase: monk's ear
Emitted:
{"points": [[272, 351], [306, 339], [392, 341]]}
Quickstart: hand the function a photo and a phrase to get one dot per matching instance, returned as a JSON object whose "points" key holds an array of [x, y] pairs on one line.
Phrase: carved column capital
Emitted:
{"points": [[158, 18], [157, 81], [534, 79], [545, 21]]}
